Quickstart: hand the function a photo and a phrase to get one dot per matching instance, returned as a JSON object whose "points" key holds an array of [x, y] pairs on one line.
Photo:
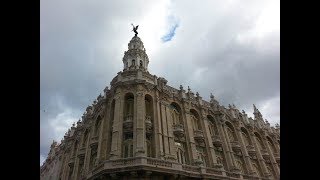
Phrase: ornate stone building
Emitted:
{"points": [[141, 128]]}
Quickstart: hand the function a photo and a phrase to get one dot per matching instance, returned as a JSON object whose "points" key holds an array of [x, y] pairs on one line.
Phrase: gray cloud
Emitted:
{"points": [[215, 49]]}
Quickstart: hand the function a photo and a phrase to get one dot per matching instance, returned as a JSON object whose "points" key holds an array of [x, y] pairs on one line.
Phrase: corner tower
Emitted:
{"points": [[136, 56]]}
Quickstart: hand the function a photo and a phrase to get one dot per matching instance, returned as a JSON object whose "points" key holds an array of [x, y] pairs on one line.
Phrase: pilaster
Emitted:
{"points": [[139, 134], [192, 141], [117, 127]]}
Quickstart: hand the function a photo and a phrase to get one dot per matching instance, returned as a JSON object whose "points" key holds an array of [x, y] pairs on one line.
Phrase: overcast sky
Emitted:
{"points": [[228, 47]]}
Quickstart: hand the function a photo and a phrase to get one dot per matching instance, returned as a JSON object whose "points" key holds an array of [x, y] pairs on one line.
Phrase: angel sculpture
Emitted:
{"points": [[135, 29]]}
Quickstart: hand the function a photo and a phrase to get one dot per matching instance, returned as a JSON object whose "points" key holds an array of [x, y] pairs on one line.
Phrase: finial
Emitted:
{"points": [[73, 124], [197, 94], [181, 87], [106, 89], [234, 106], [189, 89], [211, 96], [243, 112], [229, 106]]}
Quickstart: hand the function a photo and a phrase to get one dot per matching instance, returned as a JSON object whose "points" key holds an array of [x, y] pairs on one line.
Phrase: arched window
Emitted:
{"points": [[212, 126], [181, 152], [133, 62], [128, 148], [109, 141], [141, 63], [93, 157], [271, 145], [230, 134], [75, 147], [256, 169], [270, 171], [149, 125], [97, 126], [195, 120], [129, 105], [85, 138], [175, 114], [240, 166], [149, 150], [245, 136], [202, 155], [259, 142]]}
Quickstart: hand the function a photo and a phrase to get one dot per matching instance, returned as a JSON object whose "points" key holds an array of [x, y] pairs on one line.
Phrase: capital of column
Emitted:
{"points": [[139, 93]]}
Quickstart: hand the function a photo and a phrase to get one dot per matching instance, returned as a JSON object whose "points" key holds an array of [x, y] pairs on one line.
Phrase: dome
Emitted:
{"points": [[136, 43]]}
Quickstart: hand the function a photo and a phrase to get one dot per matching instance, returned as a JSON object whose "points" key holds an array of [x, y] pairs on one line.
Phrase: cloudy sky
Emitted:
{"points": [[228, 47]]}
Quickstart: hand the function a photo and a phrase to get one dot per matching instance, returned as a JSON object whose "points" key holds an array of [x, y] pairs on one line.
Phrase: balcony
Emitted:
{"points": [[128, 123], [94, 141], [216, 141], [178, 130], [148, 124], [235, 146], [82, 152], [71, 161], [198, 135], [251, 150]]}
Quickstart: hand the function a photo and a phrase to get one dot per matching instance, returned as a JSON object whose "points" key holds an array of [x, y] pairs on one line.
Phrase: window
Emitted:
{"points": [[133, 62], [230, 134], [141, 63], [128, 149]]}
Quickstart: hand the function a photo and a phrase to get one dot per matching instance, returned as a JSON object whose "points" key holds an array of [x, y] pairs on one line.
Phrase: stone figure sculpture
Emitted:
{"points": [[135, 29]]}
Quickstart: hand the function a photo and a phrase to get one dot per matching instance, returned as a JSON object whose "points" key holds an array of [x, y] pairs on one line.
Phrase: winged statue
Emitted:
{"points": [[135, 28]]}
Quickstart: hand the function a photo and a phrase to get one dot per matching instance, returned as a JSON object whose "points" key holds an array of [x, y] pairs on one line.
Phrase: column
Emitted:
{"points": [[191, 136], [164, 129], [101, 140], [272, 158], [226, 149], [117, 127], [259, 156], [139, 133], [158, 129], [88, 154], [104, 135], [172, 151], [76, 165], [209, 144], [244, 151]]}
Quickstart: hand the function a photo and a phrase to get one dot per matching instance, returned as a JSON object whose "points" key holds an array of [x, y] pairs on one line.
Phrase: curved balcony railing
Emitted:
{"points": [[251, 150], [216, 141], [128, 123], [265, 154], [94, 141], [198, 135], [178, 130], [235, 146]]}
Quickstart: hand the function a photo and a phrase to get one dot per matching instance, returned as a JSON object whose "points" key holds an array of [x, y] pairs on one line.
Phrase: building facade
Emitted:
{"points": [[141, 128]]}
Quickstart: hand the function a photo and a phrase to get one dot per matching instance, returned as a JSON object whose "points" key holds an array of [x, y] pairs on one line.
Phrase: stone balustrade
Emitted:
{"points": [[216, 141], [198, 135], [167, 166], [178, 130], [94, 140], [235, 146]]}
